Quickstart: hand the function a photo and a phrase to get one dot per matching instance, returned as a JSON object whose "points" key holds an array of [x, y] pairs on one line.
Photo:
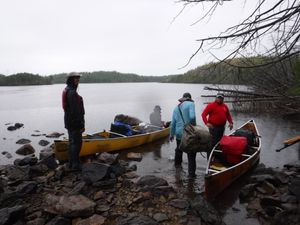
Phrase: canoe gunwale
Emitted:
{"points": [[233, 172]]}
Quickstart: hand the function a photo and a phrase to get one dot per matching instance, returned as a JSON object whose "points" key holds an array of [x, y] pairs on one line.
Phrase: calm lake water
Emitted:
{"points": [[39, 109]]}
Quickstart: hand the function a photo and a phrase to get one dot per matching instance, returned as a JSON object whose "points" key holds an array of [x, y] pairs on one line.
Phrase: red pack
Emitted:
{"points": [[233, 147]]}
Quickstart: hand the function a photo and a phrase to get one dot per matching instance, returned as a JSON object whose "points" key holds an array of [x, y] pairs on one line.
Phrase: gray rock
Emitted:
{"points": [[54, 135], [27, 187], [151, 181], [93, 172], [23, 141], [160, 217], [247, 191], [69, 206], [58, 220], [287, 198], [263, 177], [77, 189], [37, 221], [43, 142], [28, 160], [136, 220], [179, 203], [93, 220], [266, 188], [282, 178], [107, 158], [38, 170], [7, 154], [270, 201], [294, 188], [102, 208], [11, 215], [26, 149], [46, 152], [19, 125], [49, 161], [17, 173], [206, 211]]}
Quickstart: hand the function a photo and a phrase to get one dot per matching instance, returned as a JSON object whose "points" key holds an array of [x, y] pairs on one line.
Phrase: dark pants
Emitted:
{"points": [[191, 159], [75, 143], [216, 133]]}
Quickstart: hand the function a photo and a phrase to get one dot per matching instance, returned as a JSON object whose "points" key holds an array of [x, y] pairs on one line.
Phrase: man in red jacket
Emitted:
{"points": [[217, 113]]}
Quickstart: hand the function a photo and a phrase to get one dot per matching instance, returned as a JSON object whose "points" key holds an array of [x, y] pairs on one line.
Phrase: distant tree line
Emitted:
{"points": [[24, 79]]}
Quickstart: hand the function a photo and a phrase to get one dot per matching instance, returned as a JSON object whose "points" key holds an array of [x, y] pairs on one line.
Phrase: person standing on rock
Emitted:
{"points": [[73, 107], [184, 113], [215, 116]]}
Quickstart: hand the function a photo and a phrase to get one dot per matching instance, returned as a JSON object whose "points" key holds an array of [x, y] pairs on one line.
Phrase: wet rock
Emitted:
{"points": [[77, 189], [247, 191], [49, 161], [15, 127], [266, 188], [46, 152], [37, 221], [134, 220], [93, 172], [11, 215], [160, 217], [101, 208], [286, 218], [44, 142], [206, 211], [54, 135], [17, 173], [23, 141], [93, 220], [134, 156], [194, 221], [263, 177], [131, 168], [287, 198], [27, 187], [294, 188], [282, 178], [179, 203], [11, 128], [69, 206], [107, 158], [270, 201], [7, 154], [28, 160], [118, 169], [26, 149], [59, 221], [151, 181], [38, 170], [130, 175]]}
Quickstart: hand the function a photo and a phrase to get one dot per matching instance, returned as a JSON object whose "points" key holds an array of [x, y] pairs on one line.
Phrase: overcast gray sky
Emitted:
{"points": [[129, 36]]}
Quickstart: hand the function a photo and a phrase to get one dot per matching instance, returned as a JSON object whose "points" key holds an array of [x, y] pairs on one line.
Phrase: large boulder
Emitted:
{"points": [[69, 206], [11, 215], [207, 213], [151, 181], [93, 172], [26, 149]]}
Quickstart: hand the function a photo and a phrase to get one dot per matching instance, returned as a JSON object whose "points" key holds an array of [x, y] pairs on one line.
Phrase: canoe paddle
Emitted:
{"points": [[289, 142]]}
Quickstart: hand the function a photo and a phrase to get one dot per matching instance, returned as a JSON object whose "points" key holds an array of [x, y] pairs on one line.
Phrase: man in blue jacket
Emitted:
{"points": [[184, 113]]}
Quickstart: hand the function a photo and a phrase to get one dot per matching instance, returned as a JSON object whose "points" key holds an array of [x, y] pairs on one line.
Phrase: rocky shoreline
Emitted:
{"points": [[38, 191], [107, 191]]}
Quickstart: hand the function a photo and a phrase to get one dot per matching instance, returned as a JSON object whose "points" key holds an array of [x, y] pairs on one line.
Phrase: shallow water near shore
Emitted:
{"points": [[39, 109]]}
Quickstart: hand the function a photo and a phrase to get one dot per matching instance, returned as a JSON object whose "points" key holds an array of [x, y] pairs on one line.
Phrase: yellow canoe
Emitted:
{"points": [[103, 142]]}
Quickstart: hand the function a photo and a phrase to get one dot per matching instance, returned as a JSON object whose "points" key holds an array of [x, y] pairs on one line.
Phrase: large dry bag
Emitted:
{"points": [[233, 147]]}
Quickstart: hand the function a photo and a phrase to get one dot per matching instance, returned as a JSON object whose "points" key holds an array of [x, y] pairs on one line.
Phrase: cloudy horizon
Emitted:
{"points": [[134, 36]]}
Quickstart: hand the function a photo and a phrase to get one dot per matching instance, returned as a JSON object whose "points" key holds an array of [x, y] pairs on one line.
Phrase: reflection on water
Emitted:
{"points": [[39, 108]]}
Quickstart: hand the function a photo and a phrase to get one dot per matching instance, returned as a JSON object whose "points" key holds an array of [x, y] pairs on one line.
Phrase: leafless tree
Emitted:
{"points": [[280, 22]]}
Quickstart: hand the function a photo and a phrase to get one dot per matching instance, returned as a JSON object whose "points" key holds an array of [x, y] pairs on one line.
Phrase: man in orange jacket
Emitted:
{"points": [[218, 114]]}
